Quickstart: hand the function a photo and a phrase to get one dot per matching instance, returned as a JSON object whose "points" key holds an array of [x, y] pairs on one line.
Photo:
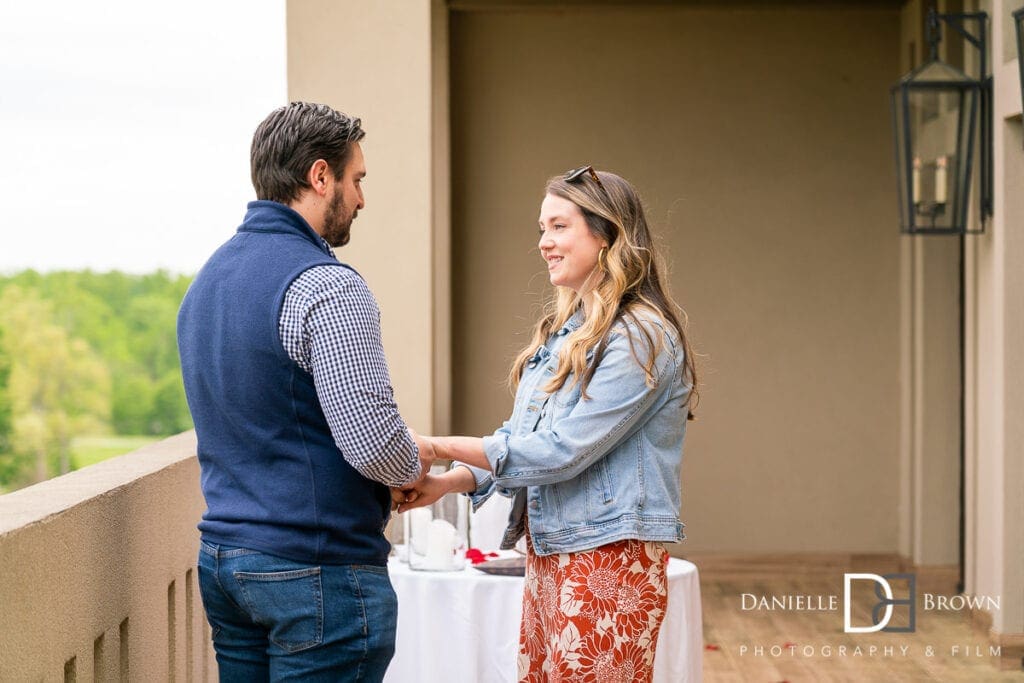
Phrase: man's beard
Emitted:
{"points": [[337, 223]]}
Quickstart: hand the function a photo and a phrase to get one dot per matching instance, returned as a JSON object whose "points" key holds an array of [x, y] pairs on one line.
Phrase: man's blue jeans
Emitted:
{"points": [[278, 620]]}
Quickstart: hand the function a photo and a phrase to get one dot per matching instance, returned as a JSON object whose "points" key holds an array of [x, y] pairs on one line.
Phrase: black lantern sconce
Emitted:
{"points": [[1018, 20], [936, 110]]}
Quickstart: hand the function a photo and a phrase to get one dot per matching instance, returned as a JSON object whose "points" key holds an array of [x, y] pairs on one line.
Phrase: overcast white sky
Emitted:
{"points": [[125, 128]]}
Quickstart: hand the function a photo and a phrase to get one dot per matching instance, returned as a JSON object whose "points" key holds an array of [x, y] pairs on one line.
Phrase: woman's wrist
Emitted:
{"points": [[460, 479], [442, 447]]}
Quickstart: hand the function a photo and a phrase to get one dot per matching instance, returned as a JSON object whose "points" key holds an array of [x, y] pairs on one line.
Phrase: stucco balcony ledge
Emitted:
{"points": [[98, 572]]}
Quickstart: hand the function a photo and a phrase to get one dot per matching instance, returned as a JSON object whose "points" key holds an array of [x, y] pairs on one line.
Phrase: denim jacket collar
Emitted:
{"points": [[573, 323]]}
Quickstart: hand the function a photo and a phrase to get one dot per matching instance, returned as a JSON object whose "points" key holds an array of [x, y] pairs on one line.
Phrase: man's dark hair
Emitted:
{"points": [[288, 141]]}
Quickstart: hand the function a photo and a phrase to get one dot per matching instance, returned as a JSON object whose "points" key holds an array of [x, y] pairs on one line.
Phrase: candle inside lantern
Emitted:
{"points": [[940, 180], [419, 523], [442, 542], [915, 184]]}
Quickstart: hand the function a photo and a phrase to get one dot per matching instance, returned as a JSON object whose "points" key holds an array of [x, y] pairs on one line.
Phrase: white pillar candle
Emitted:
{"points": [[441, 544], [419, 523], [940, 180]]}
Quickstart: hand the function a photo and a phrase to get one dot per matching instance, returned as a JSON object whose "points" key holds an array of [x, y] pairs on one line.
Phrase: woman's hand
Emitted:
{"points": [[432, 487]]}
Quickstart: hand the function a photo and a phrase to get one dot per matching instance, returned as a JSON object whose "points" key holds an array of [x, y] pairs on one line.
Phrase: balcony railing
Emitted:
{"points": [[97, 572]]}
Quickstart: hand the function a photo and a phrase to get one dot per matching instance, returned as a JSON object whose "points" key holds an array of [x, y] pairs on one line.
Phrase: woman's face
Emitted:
{"points": [[566, 243]]}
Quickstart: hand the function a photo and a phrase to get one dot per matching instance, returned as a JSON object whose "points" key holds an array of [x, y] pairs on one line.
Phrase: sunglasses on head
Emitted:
{"points": [[576, 175]]}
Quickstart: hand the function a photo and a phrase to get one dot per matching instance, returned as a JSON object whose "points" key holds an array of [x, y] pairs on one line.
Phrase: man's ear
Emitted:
{"points": [[318, 175]]}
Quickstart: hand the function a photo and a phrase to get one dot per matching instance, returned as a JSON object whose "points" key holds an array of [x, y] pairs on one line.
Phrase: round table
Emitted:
{"points": [[463, 626]]}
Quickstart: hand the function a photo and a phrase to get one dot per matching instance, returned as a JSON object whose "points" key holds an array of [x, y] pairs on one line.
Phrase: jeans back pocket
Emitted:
{"points": [[289, 604]]}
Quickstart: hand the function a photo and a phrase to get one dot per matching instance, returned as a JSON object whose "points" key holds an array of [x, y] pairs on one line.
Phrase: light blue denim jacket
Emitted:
{"points": [[589, 472]]}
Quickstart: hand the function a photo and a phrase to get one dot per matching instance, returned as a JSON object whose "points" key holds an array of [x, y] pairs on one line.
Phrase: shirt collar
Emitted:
{"points": [[327, 247]]}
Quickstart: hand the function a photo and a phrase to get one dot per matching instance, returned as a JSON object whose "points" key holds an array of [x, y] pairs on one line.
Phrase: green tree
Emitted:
{"points": [[170, 409], [58, 386], [5, 397], [9, 463], [129, 322]]}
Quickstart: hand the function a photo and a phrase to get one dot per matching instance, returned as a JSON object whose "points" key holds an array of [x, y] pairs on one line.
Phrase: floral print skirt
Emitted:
{"points": [[593, 615]]}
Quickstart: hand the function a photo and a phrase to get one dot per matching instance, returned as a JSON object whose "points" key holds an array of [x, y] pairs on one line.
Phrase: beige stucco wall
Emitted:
{"points": [[760, 142], [98, 573], [759, 136], [376, 61]]}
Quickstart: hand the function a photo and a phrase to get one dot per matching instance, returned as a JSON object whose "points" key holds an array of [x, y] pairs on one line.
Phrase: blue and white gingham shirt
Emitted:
{"points": [[330, 326]]}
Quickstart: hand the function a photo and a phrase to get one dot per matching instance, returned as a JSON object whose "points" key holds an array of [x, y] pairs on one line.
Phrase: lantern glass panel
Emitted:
{"points": [[936, 110]]}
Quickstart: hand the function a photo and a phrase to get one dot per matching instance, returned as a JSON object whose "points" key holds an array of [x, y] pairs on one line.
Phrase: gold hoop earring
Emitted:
{"points": [[602, 258]]}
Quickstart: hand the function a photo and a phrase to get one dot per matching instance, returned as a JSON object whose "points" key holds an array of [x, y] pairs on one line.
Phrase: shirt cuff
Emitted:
{"points": [[484, 486], [496, 451]]}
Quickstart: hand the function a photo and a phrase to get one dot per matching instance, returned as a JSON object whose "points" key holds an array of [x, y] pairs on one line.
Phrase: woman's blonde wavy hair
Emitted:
{"points": [[626, 281]]}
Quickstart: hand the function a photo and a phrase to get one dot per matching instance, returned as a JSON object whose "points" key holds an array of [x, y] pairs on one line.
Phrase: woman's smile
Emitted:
{"points": [[566, 243]]}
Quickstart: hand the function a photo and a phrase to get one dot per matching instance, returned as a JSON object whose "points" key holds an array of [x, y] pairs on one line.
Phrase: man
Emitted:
{"points": [[299, 435]]}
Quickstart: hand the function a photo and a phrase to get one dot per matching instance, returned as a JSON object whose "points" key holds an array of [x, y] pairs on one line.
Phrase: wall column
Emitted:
{"points": [[386, 62], [930, 358], [995, 399]]}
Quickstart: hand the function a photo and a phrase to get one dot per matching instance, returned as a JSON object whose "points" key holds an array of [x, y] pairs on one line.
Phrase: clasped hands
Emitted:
{"points": [[429, 487]]}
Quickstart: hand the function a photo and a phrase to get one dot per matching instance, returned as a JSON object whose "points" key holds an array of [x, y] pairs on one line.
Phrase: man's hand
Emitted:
{"points": [[399, 496], [428, 489]]}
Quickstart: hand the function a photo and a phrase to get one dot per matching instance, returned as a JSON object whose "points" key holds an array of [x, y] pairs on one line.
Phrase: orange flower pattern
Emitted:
{"points": [[593, 616]]}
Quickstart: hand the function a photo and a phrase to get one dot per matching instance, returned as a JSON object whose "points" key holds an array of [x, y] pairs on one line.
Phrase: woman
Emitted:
{"points": [[592, 451]]}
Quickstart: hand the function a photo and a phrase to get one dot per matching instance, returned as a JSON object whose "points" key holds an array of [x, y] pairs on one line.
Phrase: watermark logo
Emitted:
{"points": [[887, 600]]}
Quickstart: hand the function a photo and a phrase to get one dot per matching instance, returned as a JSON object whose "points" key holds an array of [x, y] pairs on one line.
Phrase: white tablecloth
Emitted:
{"points": [[463, 627]]}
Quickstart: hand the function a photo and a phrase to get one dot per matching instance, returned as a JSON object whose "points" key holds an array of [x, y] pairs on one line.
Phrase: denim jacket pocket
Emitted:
{"points": [[568, 396], [600, 483], [290, 602], [555, 511]]}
